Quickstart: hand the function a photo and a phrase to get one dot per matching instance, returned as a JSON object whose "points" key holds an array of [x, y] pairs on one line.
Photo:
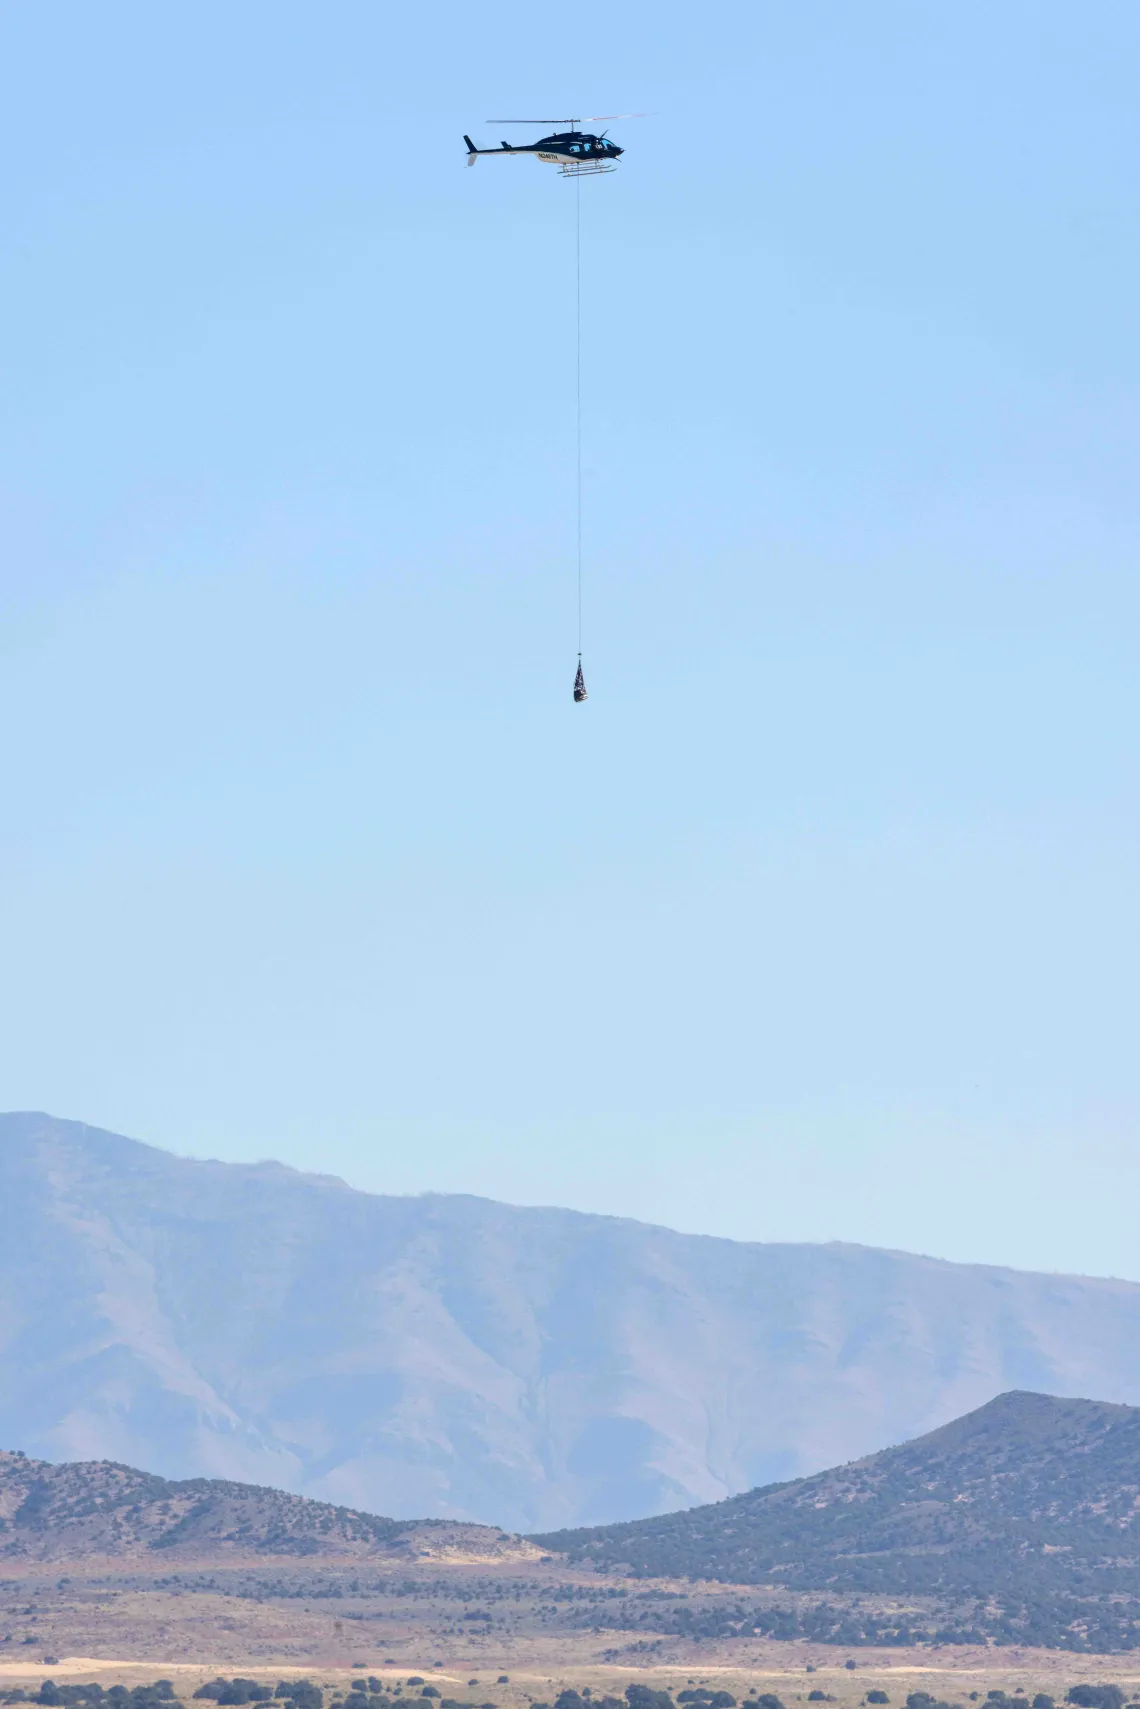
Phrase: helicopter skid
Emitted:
{"points": [[587, 168]]}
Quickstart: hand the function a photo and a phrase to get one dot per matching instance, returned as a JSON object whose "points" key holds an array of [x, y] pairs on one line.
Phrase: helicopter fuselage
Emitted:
{"points": [[578, 150]]}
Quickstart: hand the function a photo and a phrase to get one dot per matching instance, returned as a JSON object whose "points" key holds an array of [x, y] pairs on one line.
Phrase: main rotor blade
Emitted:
{"points": [[590, 119]]}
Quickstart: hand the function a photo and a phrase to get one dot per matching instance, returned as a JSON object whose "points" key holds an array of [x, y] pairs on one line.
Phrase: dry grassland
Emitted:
{"points": [[271, 1619]]}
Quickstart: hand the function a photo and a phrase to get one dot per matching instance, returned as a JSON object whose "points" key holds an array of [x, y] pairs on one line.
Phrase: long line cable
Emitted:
{"points": [[578, 378]]}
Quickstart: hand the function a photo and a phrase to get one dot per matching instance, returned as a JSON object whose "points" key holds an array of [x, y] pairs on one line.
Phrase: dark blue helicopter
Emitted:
{"points": [[574, 151]]}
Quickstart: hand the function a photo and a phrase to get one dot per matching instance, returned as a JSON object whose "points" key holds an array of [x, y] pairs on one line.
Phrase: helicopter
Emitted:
{"points": [[576, 152]]}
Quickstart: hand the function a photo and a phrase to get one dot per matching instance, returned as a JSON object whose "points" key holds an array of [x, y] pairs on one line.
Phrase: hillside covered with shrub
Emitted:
{"points": [[1023, 1517]]}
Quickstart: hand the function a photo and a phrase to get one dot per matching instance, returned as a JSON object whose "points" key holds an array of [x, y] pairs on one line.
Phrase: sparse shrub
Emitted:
{"points": [[429, 1691], [1095, 1696], [302, 1693], [1043, 1701], [66, 1696], [237, 1692], [877, 1697], [641, 1697]]}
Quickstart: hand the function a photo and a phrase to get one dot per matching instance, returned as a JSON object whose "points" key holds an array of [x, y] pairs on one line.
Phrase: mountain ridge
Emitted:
{"points": [[274, 1167], [450, 1355], [996, 1465], [80, 1510]]}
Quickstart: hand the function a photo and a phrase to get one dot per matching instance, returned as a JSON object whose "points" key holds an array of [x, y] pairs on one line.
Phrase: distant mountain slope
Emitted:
{"points": [[1029, 1492], [1018, 1524], [452, 1356], [96, 1508]]}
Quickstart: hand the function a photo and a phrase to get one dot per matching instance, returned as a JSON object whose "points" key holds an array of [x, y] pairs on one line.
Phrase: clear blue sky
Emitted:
{"points": [[820, 919]]}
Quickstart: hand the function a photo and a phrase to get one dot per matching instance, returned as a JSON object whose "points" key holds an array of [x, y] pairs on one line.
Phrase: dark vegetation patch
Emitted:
{"points": [[56, 1693]]}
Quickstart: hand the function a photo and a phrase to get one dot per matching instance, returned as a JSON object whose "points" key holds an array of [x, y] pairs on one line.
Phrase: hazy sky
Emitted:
{"points": [[820, 919]]}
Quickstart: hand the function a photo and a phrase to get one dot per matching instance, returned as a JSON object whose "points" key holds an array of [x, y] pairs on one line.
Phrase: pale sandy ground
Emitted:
{"points": [[948, 1673]]}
